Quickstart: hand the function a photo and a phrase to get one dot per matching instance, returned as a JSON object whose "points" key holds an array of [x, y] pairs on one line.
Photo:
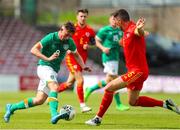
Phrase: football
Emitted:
{"points": [[70, 110]]}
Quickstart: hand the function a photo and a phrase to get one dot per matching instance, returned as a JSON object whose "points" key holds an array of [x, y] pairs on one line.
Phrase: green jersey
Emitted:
{"points": [[51, 43], [109, 38]]}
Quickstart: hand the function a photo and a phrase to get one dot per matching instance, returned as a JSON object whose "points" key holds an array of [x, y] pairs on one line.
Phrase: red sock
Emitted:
{"points": [[80, 93], [62, 87], [105, 103], [148, 102]]}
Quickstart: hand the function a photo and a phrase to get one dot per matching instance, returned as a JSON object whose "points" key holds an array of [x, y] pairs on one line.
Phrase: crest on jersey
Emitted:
{"points": [[52, 77], [110, 33], [128, 35], [66, 46], [87, 34], [75, 66]]}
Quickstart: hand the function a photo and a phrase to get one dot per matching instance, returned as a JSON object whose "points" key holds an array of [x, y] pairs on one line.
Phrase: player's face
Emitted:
{"points": [[64, 33], [118, 22], [81, 18], [112, 21]]}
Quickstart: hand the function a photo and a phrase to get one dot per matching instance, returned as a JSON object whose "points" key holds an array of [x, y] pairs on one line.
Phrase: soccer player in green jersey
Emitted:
{"points": [[107, 39], [50, 51]]}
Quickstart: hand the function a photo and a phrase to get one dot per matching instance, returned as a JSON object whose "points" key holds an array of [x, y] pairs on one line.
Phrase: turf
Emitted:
{"points": [[135, 118]]}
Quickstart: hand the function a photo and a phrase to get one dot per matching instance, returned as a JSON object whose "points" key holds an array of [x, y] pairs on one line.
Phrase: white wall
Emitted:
{"points": [[9, 82]]}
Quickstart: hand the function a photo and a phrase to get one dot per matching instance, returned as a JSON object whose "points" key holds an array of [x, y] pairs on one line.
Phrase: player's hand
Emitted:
{"points": [[106, 50], [54, 56], [85, 46], [86, 68], [68, 52], [146, 33], [140, 23]]}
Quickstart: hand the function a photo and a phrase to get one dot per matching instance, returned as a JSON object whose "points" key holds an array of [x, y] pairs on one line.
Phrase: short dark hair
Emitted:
{"points": [[70, 27], [122, 14], [113, 14], [83, 11]]}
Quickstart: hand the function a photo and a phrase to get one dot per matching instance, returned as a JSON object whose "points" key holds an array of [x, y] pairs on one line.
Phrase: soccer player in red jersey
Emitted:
{"points": [[83, 36], [134, 46]]}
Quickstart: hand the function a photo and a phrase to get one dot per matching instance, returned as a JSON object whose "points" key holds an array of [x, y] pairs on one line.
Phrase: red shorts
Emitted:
{"points": [[135, 79], [72, 64]]}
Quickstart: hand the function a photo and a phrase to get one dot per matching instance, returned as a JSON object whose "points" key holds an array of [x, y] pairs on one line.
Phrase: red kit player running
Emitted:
{"points": [[82, 37], [135, 57]]}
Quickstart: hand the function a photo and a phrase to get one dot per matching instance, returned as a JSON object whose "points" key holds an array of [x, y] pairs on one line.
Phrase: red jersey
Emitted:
{"points": [[134, 50], [81, 37]]}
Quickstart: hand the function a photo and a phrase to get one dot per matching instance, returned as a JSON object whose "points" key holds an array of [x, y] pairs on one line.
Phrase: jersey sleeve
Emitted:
{"points": [[72, 46], [101, 34], [92, 38], [46, 40]]}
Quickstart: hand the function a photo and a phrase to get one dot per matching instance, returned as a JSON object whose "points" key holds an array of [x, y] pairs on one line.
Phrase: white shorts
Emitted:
{"points": [[111, 67], [46, 74]]}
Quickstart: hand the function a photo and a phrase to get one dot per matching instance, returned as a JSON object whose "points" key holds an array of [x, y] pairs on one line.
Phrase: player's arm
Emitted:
{"points": [[100, 46], [80, 61], [139, 31], [91, 44], [36, 50]]}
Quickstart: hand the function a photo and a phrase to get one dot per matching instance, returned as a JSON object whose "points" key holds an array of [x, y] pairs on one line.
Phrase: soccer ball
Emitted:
{"points": [[70, 110]]}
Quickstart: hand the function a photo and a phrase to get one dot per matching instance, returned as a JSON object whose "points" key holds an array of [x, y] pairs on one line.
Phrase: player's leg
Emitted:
{"points": [[53, 103], [145, 101], [80, 92], [71, 66], [99, 85], [24, 104], [119, 105], [110, 88], [110, 68], [65, 85], [91, 89], [49, 85]]}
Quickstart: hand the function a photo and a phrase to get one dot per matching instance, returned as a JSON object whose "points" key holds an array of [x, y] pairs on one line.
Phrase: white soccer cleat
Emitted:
{"points": [[169, 104], [85, 109], [93, 122]]}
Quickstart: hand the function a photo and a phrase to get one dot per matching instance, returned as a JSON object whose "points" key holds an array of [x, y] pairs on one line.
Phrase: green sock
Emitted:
{"points": [[22, 104], [53, 103], [101, 84], [117, 99]]}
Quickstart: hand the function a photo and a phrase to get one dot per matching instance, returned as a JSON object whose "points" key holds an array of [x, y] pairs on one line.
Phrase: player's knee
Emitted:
{"points": [[80, 81], [38, 101], [132, 103], [69, 84], [109, 87]]}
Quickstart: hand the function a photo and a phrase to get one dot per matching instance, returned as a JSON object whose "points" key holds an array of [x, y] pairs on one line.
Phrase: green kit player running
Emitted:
{"points": [[50, 51], [107, 39]]}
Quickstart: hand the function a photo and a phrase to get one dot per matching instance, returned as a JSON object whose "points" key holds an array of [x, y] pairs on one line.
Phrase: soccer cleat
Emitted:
{"points": [[94, 122], [8, 113], [169, 104], [122, 107], [87, 94], [63, 115], [85, 109]]}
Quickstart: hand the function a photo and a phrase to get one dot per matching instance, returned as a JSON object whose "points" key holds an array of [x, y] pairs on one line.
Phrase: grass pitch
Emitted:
{"points": [[135, 118]]}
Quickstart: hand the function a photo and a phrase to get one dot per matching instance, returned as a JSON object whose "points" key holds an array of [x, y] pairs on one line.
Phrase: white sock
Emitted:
{"points": [[164, 104], [82, 104], [98, 117]]}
